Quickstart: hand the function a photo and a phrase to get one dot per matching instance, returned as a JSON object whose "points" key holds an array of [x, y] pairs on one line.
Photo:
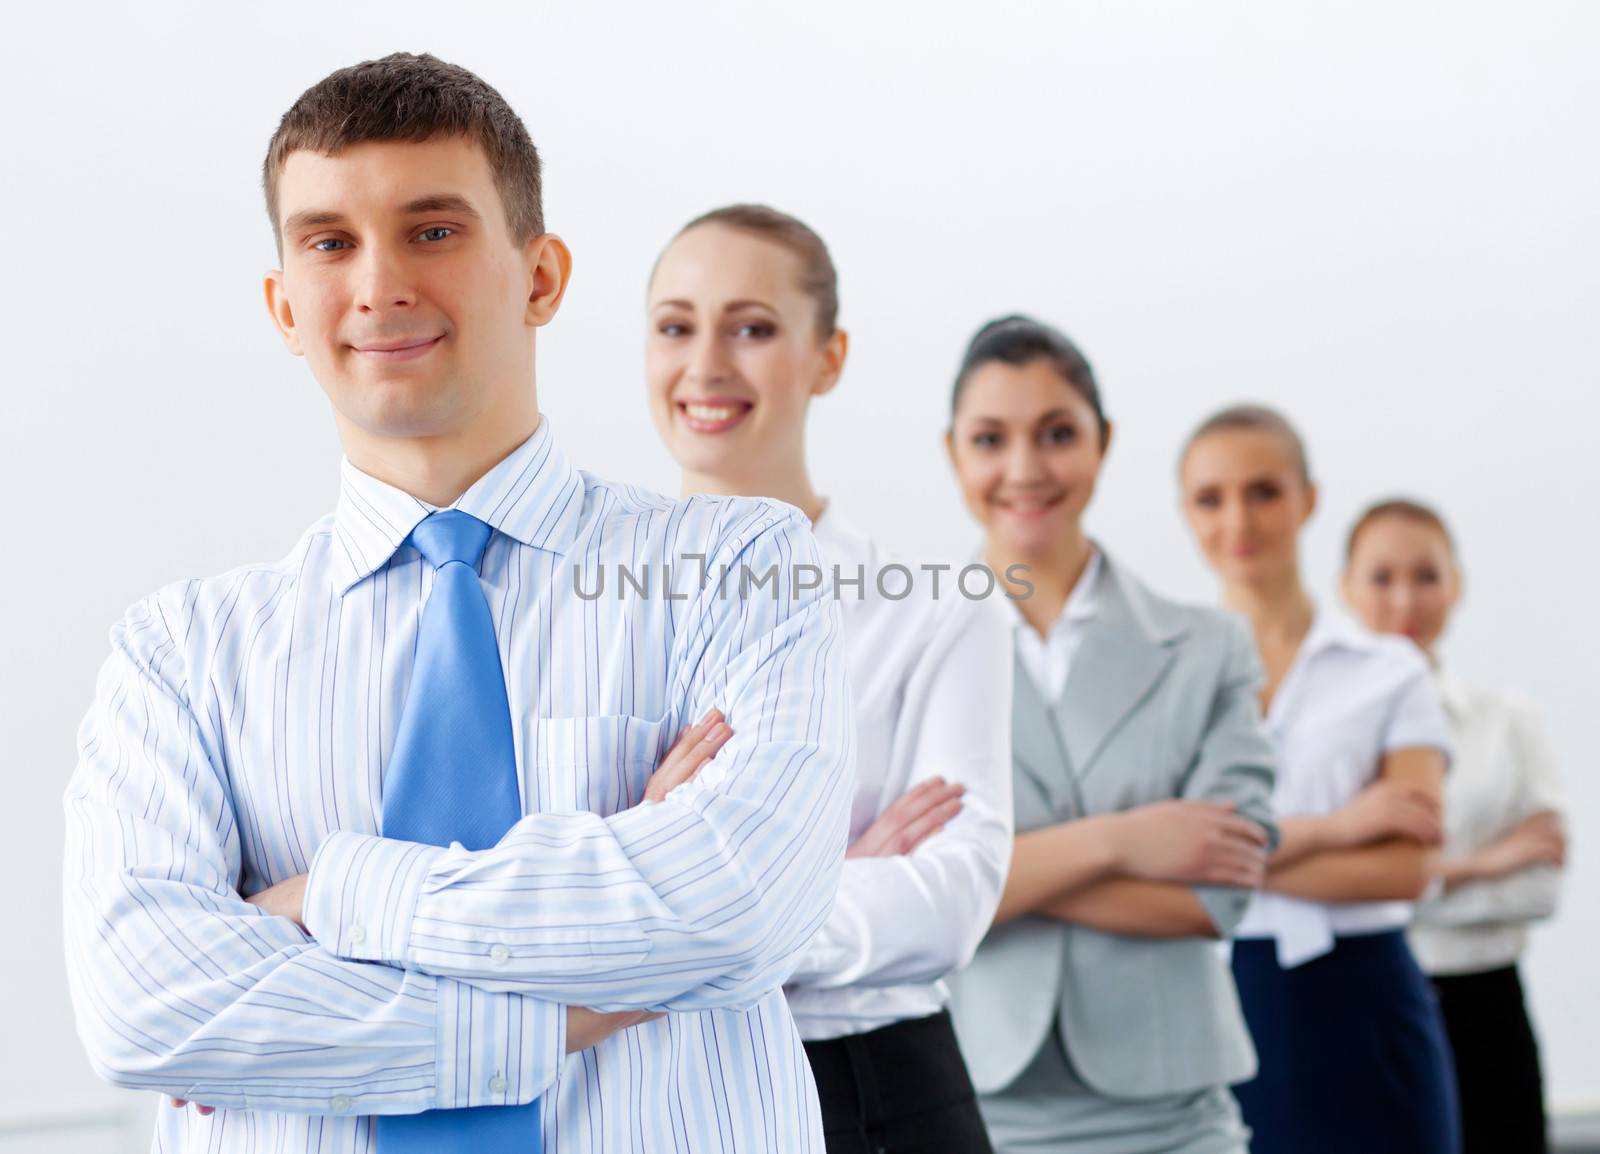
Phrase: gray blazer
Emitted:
{"points": [[1160, 703]]}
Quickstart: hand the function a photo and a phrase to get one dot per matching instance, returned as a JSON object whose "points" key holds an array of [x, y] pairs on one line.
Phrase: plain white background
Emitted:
{"points": [[1377, 216]]}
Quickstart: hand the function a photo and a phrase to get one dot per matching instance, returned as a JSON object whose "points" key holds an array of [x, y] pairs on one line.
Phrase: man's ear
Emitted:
{"points": [[834, 350], [549, 265], [1312, 494], [282, 314]]}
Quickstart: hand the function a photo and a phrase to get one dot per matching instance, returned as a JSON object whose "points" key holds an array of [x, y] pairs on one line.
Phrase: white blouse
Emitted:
{"points": [[931, 677], [1504, 773], [1349, 698], [1047, 659]]}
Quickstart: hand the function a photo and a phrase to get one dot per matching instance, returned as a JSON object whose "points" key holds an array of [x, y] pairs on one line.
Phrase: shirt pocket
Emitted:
{"points": [[590, 764]]}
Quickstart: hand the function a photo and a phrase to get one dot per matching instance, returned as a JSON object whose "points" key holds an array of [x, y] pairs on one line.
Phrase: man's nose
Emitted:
{"points": [[382, 281]]}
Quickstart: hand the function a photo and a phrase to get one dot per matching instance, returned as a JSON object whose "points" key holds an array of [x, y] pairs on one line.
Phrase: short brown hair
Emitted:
{"points": [[818, 278], [411, 97], [1406, 510], [1261, 419]]}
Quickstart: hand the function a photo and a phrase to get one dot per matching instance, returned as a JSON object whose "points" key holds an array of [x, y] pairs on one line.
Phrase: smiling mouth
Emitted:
{"points": [[713, 416], [1036, 507], [408, 351]]}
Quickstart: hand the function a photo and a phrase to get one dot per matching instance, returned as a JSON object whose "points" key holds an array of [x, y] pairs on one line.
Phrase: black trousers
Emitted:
{"points": [[1497, 1062], [902, 1089]]}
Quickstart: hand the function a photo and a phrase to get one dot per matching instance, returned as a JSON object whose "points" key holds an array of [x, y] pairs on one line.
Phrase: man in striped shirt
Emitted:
{"points": [[239, 932]]}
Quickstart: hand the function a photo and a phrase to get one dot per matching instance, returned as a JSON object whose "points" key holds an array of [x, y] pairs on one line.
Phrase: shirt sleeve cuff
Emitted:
{"points": [[1224, 905], [495, 1049], [362, 893]]}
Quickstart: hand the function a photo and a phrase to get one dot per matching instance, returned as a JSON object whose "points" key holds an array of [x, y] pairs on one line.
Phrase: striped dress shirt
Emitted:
{"points": [[239, 735]]}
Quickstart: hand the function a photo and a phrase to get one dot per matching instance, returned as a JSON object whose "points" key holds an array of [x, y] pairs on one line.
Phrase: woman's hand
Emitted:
{"points": [[695, 746], [915, 816], [1193, 842], [1540, 840], [1388, 809]]}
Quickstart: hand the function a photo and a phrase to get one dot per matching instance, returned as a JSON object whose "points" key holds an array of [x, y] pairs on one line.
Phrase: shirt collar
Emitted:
{"points": [[1332, 629], [1083, 603], [534, 495], [1452, 691]]}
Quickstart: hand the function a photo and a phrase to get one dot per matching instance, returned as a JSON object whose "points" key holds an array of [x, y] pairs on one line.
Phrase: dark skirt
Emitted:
{"points": [[901, 1089], [1497, 1062], [1353, 1056]]}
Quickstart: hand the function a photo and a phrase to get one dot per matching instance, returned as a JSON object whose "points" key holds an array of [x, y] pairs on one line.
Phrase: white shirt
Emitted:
{"points": [[930, 677], [1503, 774], [1048, 658], [1349, 698], [239, 737]]}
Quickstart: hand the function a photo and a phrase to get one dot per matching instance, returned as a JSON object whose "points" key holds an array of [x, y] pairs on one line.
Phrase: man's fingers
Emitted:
{"points": [[693, 748], [695, 757], [692, 735], [714, 739]]}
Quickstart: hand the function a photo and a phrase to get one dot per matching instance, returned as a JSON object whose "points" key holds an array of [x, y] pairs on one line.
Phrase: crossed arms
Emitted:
{"points": [[423, 961]]}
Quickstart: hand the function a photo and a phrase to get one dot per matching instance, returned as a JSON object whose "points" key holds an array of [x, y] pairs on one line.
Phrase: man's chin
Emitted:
{"points": [[396, 421]]}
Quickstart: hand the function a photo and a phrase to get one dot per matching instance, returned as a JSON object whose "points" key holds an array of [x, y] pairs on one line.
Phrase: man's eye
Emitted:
{"points": [[986, 440], [672, 329], [330, 240], [438, 232]]}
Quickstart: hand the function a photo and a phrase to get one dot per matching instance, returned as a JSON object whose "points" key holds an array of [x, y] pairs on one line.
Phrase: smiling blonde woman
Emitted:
{"points": [[743, 336]]}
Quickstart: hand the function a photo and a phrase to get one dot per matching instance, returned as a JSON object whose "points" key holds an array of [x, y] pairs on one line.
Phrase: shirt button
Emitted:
{"points": [[497, 1085], [341, 1102], [498, 954], [358, 935]]}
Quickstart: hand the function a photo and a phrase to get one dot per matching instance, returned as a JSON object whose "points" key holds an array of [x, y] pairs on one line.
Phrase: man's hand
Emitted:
{"points": [[586, 1028], [694, 748], [287, 899], [915, 816]]}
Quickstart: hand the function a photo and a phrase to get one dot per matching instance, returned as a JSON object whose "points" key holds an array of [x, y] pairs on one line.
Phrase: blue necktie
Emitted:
{"points": [[453, 777]]}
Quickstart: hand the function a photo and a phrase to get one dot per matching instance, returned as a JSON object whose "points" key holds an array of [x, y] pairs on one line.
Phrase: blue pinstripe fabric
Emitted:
{"points": [[240, 735]]}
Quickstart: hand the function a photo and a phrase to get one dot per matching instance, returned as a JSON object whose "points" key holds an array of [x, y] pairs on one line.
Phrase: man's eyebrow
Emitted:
{"points": [[442, 202], [311, 218]]}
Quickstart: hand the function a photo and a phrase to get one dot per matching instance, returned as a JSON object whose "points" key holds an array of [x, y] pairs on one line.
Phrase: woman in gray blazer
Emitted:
{"points": [[1099, 1014]]}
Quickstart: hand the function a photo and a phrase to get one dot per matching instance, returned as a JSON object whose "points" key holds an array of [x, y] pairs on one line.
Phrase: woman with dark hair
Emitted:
{"points": [[1353, 1056], [1505, 841], [1098, 1015], [743, 335]]}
